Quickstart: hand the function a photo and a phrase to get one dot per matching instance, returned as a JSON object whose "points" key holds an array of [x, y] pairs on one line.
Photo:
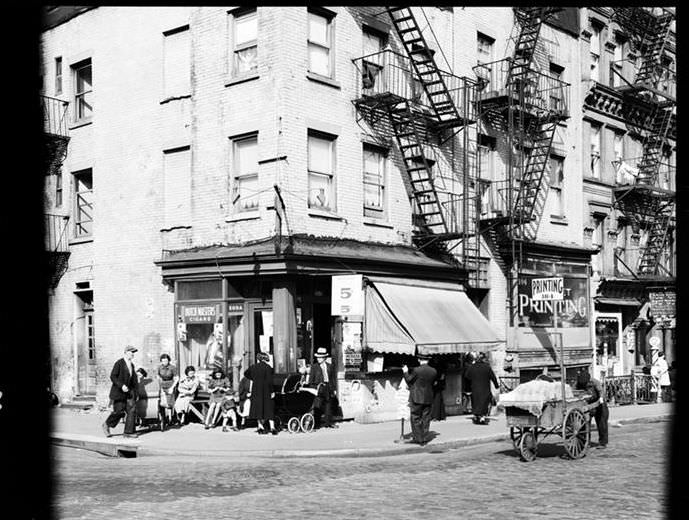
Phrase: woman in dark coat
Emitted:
{"points": [[261, 393], [438, 406], [480, 375]]}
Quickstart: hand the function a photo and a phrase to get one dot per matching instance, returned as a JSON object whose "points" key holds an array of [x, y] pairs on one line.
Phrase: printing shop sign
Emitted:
{"points": [[539, 296]]}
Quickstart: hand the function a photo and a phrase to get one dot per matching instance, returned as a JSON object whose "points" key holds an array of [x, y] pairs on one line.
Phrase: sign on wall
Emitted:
{"points": [[572, 309], [662, 303], [198, 313], [347, 295]]}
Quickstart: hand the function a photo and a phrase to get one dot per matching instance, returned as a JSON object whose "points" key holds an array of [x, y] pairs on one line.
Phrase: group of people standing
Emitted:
{"points": [[253, 400]]}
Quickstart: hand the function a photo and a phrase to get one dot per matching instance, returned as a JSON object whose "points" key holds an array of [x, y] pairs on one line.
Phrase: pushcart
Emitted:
{"points": [[568, 418]]}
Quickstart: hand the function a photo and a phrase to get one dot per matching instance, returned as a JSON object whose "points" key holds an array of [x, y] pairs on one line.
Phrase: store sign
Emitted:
{"points": [[547, 288], [351, 345], [572, 309], [198, 313], [662, 303], [347, 295]]}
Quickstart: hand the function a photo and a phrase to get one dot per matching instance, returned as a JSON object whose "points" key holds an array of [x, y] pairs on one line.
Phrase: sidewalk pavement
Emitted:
{"points": [[350, 439]]}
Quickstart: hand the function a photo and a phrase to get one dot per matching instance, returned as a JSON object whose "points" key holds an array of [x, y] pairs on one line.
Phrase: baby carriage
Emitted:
{"points": [[294, 405]]}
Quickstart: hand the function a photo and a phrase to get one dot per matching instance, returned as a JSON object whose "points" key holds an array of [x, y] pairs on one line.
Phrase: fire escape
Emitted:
{"points": [[526, 106], [644, 202], [425, 107], [56, 139]]}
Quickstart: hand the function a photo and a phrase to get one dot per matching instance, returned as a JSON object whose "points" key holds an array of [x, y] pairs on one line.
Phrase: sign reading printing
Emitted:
{"points": [[547, 288], [347, 295]]}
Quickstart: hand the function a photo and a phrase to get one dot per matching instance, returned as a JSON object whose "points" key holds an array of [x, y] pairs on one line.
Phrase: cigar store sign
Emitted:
{"points": [[538, 297]]}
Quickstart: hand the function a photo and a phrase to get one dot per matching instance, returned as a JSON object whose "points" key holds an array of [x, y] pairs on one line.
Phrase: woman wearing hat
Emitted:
{"points": [[324, 372], [261, 393]]}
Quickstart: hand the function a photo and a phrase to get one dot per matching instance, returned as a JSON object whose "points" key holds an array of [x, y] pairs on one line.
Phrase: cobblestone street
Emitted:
{"points": [[487, 481]]}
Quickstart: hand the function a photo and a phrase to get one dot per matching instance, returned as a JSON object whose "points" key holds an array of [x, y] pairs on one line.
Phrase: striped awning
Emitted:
{"points": [[428, 318]]}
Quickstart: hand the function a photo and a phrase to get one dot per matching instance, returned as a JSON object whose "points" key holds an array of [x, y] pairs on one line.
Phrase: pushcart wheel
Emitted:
{"points": [[278, 423], [576, 433], [516, 436], [293, 425], [528, 446], [307, 422]]}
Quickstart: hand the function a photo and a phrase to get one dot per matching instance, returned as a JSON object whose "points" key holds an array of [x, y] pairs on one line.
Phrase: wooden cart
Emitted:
{"points": [[569, 418]]}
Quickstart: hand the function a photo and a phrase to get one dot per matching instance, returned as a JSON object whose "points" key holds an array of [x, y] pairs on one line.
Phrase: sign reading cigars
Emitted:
{"points": [[198, 313]]}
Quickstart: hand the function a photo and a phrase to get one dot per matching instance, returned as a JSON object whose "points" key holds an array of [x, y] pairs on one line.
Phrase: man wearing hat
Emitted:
{"points": [[123, 394], [420, 380], [324, 372]]}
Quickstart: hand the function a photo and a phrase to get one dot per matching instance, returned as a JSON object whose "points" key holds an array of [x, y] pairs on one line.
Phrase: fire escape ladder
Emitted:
{"points": [[530, 20], [653, 146], [651, 254], [424, 65], [406, 124], [659, 33]]}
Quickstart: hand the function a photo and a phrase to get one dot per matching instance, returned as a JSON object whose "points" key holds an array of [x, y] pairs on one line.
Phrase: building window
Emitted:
{"points": [[91, 335], [598, 241], [557, 176], [618, 151], [374, 182], [595, 52], [244, 42], [486, 155], [177, 187], [595, 151], [616, 65], [320, 40], [177, 63], [321, 165], [83, 90], [484, 54], [555, 89], [245, 168], [58, 190], [83, 203], [58, 75]]}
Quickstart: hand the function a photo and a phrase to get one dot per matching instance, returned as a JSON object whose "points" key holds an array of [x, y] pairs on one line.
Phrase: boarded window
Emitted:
{"points": [[177, 187], [177, 63]]}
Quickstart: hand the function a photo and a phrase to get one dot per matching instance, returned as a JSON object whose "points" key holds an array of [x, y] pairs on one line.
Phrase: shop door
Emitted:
{"points": [[609, 355], [86, 349], [260, 331]]}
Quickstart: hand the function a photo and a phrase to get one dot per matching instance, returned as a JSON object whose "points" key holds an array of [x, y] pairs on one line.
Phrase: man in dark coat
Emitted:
{"points": [[420, 380], [594, 394], [480, 375], [123, 393], [324, 372]]}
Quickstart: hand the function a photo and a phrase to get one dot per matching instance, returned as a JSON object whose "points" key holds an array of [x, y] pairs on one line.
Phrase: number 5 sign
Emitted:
{"points": [[347, 295]]}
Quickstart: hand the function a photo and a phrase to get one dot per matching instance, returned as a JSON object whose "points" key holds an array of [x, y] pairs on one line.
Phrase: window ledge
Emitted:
{"points": [[377, 223], [323, 79], [324, 214], [236, 80], [559, 220], [80, 240], [594, 180], [174, 98], [247, 215], [80, 123]]}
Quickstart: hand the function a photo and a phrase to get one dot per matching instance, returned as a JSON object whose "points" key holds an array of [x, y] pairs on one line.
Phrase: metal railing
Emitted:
{"points": [[667, 77], [56, 233], [55, 118], [495, 199], [541, 92], [626, 262], [390, 74], [630, 389], [627, 170]]}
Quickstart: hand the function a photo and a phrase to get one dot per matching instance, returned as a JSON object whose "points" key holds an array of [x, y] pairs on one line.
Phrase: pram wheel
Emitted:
{"points": [[293, 425], [307, 422]]}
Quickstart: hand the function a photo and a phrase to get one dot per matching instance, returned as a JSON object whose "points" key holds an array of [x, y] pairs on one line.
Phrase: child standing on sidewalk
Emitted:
{"points": [[229, 411]]}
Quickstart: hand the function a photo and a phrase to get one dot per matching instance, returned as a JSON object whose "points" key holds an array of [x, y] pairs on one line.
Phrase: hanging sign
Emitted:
{"points": [[198, 313], [547, 288], [347, 295]]}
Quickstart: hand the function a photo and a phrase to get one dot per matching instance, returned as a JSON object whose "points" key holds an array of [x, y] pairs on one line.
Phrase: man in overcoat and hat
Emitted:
{"points": [[324, 372], [480, 375], [123, 394], [420, 380]]}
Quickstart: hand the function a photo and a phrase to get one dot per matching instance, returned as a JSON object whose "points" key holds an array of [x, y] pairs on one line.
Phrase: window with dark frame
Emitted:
{"points": [[58, 75], [556, 93], [321, 171], [484, 54], [83, 90], [557, 169], [320, 43], [58, 189], [595, 51], [374, 161], [617, 62], [244, 41], [245, 173], [83, 203]]}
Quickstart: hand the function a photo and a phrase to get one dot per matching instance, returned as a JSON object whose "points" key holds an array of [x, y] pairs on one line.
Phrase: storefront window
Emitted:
{"points": [[202, 290]]}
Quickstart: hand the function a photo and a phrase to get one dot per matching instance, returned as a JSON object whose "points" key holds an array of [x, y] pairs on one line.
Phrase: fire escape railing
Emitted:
{"points": [[56, 233], [55, 121]]}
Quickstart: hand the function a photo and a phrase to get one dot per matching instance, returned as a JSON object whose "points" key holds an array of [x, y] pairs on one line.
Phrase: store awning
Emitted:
{"points": [[431, 318], [618, 301]]}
